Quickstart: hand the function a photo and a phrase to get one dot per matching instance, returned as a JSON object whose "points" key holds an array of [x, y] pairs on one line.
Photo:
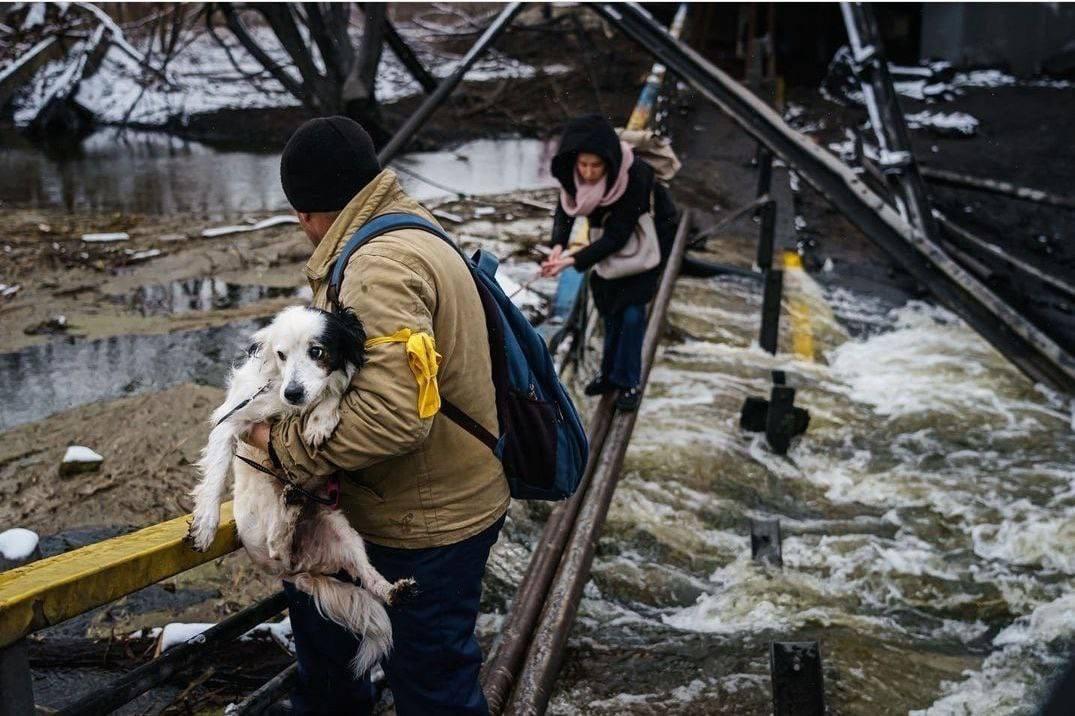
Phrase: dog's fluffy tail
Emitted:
{"points": [[353, 608]]}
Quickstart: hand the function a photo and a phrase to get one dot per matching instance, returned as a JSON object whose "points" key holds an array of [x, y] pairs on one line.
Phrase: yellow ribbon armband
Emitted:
{"points": [[424, 361]]}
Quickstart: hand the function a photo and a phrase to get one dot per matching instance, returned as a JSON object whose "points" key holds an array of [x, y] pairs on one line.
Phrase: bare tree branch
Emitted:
{"points": [[360, 83], [281, 19], [406, 55], [325, 42], [235, 24]]}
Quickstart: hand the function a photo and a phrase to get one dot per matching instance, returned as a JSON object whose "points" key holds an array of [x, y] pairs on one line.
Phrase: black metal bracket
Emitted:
{"points": [[765, 542], [798, 681]]}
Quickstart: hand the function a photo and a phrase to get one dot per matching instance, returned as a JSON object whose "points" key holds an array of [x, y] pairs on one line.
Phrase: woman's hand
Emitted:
{"points": [[555, 264]]}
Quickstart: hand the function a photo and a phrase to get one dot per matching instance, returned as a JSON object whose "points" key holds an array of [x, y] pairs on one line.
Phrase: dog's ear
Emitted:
{"points": [[255, 349], [352, 343], [257, 342]]}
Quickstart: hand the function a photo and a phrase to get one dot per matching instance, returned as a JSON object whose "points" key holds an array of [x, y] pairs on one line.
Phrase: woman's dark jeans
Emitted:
{"points": [[433, 668], [624, 332]]}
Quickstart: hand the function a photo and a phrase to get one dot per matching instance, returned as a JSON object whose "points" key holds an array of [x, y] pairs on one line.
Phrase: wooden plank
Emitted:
{"points": [[52, 590]]}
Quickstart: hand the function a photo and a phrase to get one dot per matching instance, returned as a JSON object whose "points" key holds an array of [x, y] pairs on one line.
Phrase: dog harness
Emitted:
{"points": [[293, 492]]}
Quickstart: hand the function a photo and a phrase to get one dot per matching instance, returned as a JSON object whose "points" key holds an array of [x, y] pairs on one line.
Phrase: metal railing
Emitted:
{"points": [[44, 593]]}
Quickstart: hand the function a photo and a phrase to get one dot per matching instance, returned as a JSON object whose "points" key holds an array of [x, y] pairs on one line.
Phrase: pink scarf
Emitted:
{"points": [[590, 196]]}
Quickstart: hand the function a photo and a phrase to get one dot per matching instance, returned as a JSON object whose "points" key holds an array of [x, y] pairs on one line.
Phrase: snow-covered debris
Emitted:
{"points": [[178, 633], [484, 210], [204, 76], [17, 544], [106, 237], [26, 59], [958, 124], [240, 229], [7, 291], [78, 459], [35, 16]]}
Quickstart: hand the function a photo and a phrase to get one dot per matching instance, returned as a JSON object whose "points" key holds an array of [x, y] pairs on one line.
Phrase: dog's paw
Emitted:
{"points": [[401, 592], [203, 530], [319, 427]]}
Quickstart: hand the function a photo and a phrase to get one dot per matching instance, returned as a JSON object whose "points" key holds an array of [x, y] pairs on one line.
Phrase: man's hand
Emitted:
{"points": [[258, 436]]}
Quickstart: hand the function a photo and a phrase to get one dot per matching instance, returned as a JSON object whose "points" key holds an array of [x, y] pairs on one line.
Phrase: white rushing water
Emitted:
{"points": [[928, 513]]}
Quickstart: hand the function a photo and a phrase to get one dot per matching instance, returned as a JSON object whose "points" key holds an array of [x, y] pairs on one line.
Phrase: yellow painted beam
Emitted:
{"points": [[51, 590], [802, 332]]}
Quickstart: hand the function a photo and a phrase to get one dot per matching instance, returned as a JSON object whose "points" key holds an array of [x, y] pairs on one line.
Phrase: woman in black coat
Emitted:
{"points": [[602, 180]]}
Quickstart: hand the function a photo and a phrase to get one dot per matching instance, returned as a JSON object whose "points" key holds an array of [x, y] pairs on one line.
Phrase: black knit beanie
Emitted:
{"points": [[326, 162]]}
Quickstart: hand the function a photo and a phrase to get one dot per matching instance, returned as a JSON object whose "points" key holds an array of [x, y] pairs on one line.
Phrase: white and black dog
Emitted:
{"points": [[302, 362]]}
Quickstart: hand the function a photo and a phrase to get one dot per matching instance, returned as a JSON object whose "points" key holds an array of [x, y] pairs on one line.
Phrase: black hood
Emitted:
{"points": [[590, 133]]}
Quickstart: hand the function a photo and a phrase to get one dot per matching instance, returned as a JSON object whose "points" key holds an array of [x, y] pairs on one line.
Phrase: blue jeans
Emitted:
{"points": [[434, 665], [625, 330]]}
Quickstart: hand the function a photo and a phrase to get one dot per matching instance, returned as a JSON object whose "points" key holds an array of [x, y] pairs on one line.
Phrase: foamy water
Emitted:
{"points": [[928, 514]]}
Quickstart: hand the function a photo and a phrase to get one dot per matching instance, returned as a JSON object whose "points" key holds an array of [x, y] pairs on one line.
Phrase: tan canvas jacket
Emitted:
{"points": [[410, 482]]}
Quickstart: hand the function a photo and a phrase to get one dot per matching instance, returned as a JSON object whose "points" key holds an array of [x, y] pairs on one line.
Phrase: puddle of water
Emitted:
{"points": [[41, 380], [202, 294], [155, 173]]}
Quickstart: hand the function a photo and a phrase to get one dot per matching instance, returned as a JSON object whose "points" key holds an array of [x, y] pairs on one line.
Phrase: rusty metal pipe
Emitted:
{"points": [[546, 650], [498, 673]]}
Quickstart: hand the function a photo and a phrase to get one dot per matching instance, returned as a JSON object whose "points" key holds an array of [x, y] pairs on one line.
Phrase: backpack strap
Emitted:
{"points": [[391, 222], [370, 230]]}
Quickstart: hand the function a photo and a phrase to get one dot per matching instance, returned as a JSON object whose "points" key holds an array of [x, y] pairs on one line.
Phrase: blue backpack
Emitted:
{"points": [[542, 443]]}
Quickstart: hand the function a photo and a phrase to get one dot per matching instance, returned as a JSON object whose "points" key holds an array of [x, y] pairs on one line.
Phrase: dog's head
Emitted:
{"points": [[313, 351]]}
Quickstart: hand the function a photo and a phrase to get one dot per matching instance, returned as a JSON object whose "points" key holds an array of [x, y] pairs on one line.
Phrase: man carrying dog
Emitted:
{"points": [[428, 497]]}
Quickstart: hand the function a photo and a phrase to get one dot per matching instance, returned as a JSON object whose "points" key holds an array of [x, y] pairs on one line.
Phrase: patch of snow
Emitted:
{"points": [[35, 16], [106, 237], [17, 543], [178, 633], [7, 291], [143, 255], [81, 454], [959, 123]]}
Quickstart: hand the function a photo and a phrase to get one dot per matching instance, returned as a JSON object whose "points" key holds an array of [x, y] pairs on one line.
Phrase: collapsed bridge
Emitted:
{"points": [[53, 590]]}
